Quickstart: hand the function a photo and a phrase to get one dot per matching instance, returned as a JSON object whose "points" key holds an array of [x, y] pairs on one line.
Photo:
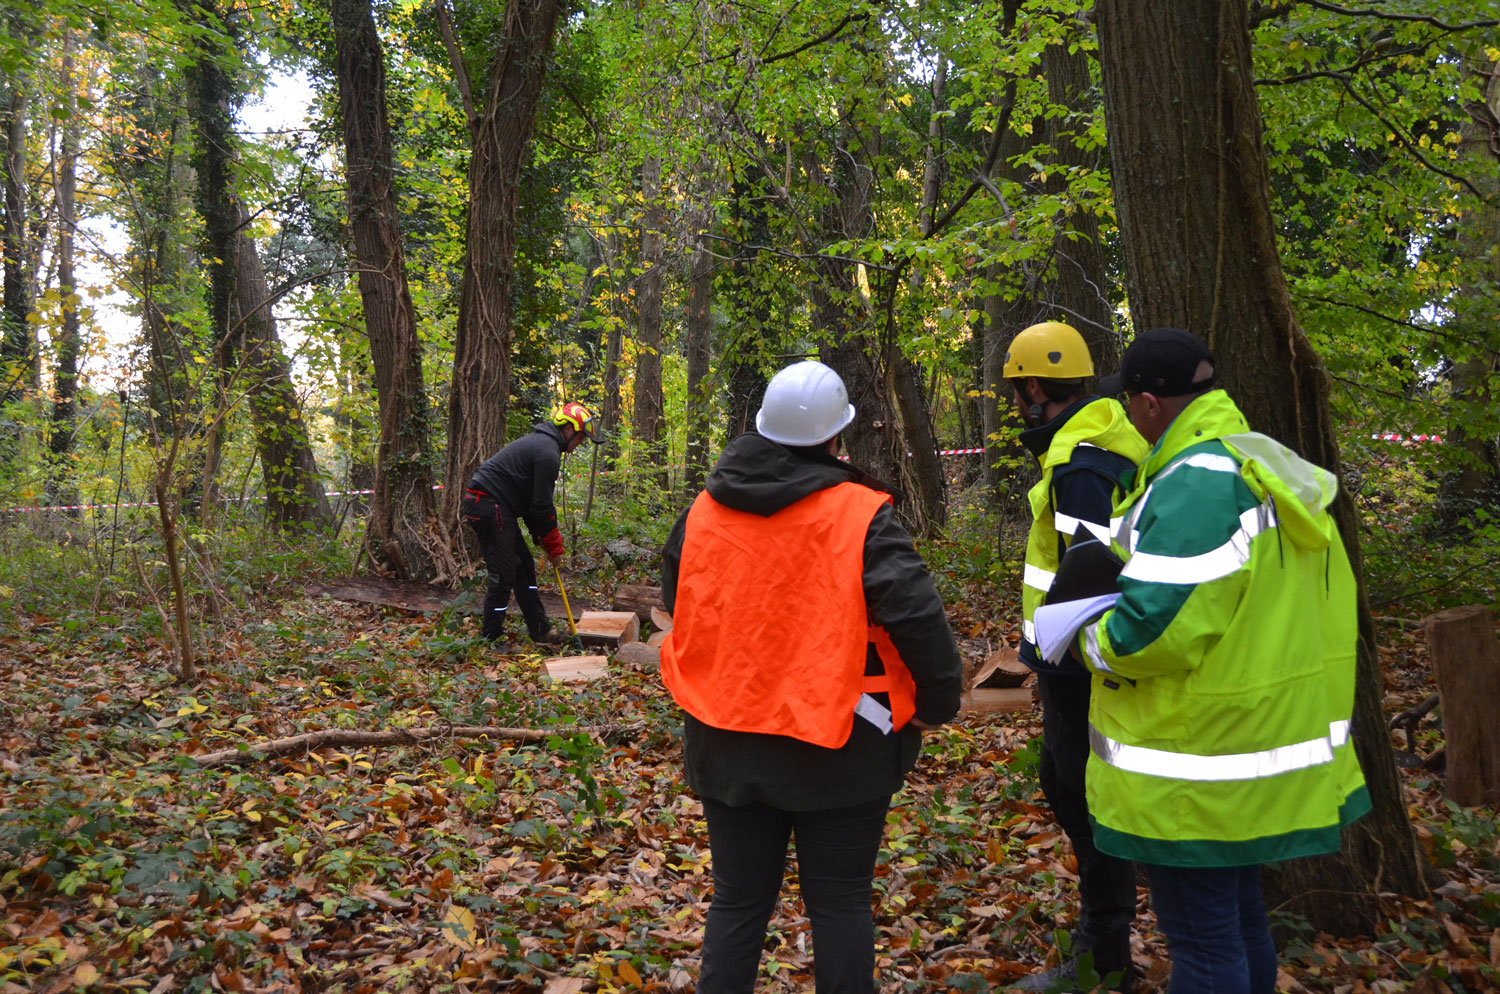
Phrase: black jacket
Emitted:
{"points": [[755, 474], [522, 476]]}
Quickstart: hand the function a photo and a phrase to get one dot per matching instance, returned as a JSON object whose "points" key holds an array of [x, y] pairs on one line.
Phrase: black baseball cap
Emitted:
{"points": [[1161, 361]]}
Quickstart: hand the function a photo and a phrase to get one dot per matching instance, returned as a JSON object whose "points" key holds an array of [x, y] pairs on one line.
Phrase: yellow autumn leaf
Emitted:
{"points": [[85, 974], [459, 928], [627, 973]]}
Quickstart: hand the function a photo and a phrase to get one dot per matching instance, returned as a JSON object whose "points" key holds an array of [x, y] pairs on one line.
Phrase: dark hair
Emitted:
{"points": [[1056, 391]]}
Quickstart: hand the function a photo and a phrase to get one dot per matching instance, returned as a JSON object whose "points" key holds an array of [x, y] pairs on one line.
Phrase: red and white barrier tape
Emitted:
{"points": [[1387, 437]]}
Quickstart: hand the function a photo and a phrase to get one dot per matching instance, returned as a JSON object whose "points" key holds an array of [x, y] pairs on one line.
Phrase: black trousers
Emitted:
{"points": [[836, 852], [507, 557], [1106, 885]]}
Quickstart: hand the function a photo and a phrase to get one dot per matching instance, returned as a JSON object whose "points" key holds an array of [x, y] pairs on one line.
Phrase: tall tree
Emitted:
{"points": [[1476, 479], [15, 331], [403, 503], [500, 124], [214, 89], [1201, 253], [289, 471], [649, 405], [70, 336], [697, 343]]}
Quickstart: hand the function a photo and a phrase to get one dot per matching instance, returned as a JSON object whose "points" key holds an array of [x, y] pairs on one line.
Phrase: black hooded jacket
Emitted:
{"points": [[757, 475], [523, 475]]}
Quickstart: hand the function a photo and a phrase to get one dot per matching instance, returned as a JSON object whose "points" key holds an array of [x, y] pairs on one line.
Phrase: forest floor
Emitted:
{"points": [[577, 864]]}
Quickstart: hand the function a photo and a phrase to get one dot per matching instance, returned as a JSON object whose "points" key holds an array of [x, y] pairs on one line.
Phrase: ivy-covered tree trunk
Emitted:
{"points": [[1192, 193], [1472, 420], [289, 471], [501, 127], [403, 503], [610, 417], [698, 332], [844, 323], [212, 92], [16, 336], [60, 489], [748, 307], [649, 403]]}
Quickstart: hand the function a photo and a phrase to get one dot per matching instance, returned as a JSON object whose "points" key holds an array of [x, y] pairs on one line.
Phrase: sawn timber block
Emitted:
{"points": [[996, 700], [608, 628], [576, 669]]}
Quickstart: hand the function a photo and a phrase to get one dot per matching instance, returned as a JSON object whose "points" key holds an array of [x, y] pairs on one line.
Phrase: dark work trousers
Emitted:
{"points": [[507, 557], [1106, 885], [836, 852]]}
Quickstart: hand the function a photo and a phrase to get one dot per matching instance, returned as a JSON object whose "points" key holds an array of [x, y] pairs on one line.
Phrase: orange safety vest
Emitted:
{"points": [[770, 632]]}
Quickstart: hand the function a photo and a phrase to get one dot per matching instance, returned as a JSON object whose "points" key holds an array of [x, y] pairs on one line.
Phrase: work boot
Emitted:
{"points": [[1072, 975]]}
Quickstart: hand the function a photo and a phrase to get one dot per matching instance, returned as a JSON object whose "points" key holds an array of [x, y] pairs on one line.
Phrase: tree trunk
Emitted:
{"points": [[1077, 275], [611, 415], [650, 450], [699, 335], [501, 128], [1471, 426], [70, 338], [403, 502], [16, 336], [212, 91], [1192, 193], [294, 493], [748, 310]]}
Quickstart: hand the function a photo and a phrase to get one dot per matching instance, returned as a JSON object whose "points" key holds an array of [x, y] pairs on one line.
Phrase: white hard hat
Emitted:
{"points": [[805, 404]]}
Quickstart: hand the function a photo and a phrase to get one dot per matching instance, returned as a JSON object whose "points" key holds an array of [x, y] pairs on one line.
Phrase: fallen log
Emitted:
{"points": [[638, 598], [638, 654], [307, 742]]}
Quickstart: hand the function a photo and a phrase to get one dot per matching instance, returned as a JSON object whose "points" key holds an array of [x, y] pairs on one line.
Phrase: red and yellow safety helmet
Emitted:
{"points": [[578, 417]]}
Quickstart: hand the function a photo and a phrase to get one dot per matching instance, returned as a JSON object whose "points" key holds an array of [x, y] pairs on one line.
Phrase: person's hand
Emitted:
{"points": [[919, 723], [555, 560]]}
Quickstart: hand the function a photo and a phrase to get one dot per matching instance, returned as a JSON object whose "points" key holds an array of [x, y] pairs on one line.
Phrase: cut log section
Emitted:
{"points": [[638, 654], [637, 598], [656, 639], [608, 628], [1461, 643], [576, 669], [996, 701], [1001, 668], [403, 595], [661, 620]]}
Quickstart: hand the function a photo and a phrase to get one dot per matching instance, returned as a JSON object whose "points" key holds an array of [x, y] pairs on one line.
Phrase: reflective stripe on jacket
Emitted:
{"points": [[770, 632], [1224, 675]]}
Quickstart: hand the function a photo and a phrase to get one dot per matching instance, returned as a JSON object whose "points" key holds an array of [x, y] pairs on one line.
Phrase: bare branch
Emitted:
{"points": [[456, 57]]}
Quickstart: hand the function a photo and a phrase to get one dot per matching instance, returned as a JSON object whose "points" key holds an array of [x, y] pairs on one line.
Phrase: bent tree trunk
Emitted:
{"points": [[403, 502], [501, 128], [1201, 254]]}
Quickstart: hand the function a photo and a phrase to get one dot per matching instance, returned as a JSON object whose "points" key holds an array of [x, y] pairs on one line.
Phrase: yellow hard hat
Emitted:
{"points": [[1050, 350]]}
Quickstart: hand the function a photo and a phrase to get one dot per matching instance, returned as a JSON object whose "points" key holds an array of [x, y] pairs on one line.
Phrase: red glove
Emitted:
{"points": [[552, 542]]}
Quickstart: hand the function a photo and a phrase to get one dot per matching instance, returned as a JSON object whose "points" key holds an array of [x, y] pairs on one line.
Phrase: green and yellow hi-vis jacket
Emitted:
{"points": [[1224, 675], [1101, 424]]}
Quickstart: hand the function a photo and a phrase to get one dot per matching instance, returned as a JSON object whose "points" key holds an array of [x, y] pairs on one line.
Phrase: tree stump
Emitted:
{"points": [[1461, 643]]}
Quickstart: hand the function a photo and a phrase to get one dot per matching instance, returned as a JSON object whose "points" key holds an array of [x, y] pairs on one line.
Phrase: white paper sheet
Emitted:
{"points": [[1057, 624], [875, 713]]}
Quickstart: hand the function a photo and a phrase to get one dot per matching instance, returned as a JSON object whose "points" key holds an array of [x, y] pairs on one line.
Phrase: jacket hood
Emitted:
{"points": [[756, 475], [1301, 490], [552, 431], [1103, 422]]}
